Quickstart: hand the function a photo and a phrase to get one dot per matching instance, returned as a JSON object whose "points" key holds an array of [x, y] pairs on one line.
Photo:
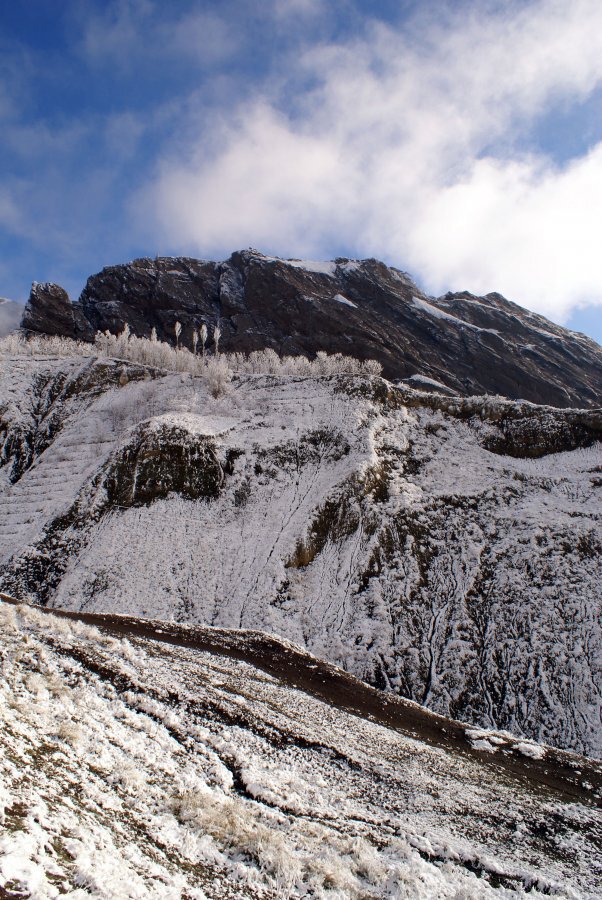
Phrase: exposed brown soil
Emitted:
{"points": [[566, 776]]}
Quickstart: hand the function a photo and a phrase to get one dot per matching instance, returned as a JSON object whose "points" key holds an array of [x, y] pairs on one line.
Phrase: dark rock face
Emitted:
{"points": [[151, 294], [157, 463], [542, 432], [472, 345], [50, 311]]}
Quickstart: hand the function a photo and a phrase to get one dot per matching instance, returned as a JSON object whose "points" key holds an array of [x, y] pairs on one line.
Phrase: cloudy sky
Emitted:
{"points": [[459, 141]]}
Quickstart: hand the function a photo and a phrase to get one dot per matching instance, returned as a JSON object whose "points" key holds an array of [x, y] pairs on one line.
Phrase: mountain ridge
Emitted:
{"points": [[363, 308]]}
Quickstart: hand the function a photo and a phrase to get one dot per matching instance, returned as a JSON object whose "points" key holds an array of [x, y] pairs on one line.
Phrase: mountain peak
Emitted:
{"points": [[364, 308]]}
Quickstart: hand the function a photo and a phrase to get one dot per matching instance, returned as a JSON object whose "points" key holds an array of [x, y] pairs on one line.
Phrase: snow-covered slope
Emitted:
{"points": [[170, 764], [446, 549]]}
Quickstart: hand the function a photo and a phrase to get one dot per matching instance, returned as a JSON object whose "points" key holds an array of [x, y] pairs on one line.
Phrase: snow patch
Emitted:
{"points": [[534, 751], [341, 299], [351, 265], [430, 382], [325, 267], [437, 313]]}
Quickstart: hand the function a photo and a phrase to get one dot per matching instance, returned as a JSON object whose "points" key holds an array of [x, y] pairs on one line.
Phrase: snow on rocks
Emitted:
{"points": [[494, 741], [346, 302]]}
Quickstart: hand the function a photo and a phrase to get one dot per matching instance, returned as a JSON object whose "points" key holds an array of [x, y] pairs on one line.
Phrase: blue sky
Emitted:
{"points": [[459, 141]]}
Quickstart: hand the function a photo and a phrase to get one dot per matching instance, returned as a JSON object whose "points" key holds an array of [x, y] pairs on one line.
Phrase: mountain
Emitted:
{"points": [[445, 549], [140, 759], [467, 344]]}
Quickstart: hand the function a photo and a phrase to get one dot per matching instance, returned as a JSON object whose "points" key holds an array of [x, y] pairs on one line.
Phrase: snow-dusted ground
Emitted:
{"points": [[380, 534], [136, 768]]}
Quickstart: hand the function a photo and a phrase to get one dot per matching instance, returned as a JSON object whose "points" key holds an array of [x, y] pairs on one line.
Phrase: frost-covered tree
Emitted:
{"points": [[162, 355], [195, 340], [178, 331], [217, 333]]}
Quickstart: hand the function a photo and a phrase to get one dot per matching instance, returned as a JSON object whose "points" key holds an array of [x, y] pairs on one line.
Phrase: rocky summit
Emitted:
{"points": [[459, 342]]}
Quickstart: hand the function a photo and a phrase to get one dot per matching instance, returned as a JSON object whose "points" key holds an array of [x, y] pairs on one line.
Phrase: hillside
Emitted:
{"points": [[471, 345], [444, 549], [146, 761]]}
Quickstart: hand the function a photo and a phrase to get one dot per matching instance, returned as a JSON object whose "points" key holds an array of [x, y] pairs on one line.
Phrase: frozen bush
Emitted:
{"points": [[371, 367], [70, 732], [17, 344], [218, 376]]}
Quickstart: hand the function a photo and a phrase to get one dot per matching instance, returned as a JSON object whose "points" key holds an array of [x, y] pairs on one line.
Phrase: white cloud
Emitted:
{"points": [[10, 316], [406, 148], [530, 232], [11, 217]]}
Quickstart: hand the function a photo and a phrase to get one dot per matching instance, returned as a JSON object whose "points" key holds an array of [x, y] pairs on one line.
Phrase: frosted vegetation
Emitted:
{"points": [[216, 367], [137, 769]]}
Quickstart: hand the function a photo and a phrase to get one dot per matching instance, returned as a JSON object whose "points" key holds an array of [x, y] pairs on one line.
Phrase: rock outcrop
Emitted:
{"points": [[50, 311], [464, 343]]}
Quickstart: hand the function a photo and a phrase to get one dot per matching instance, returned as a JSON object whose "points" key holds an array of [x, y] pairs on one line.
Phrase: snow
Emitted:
{"points": [[141, 769], [351, 265], [319, 267], [325, 267], [341, 299], [494, 741], [473, 301], [382, 536], [429, 382], [528, 748], [437, 313]]}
